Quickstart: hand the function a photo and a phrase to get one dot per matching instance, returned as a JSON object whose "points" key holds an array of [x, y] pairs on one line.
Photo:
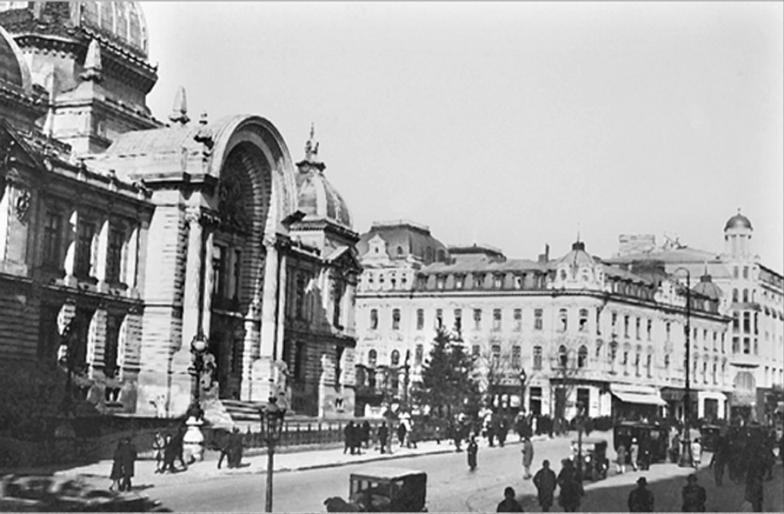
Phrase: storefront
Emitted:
{"points": [[674, 397], [711, 405], [634, 402]]}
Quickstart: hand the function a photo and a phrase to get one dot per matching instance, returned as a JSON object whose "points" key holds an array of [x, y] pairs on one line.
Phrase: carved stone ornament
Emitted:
{"points": [[22, 205]]}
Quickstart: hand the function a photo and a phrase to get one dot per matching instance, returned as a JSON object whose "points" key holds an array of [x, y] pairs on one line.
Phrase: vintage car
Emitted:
{"points": [[709, 435], [654, 435], [43, 493], [594, 463], [384, 489]]}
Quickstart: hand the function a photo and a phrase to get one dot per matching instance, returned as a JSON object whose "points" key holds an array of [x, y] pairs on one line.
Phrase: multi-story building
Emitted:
{"points": [[123, 239], [584, 331], [752, 294]]}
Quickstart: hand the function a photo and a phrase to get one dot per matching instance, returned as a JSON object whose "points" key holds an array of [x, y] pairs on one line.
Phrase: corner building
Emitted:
{"points": [[584, 331], [122, 237]]}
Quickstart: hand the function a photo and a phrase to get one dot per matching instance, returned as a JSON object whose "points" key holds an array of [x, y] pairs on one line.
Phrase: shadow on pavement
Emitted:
{"points": [[611, 496]]}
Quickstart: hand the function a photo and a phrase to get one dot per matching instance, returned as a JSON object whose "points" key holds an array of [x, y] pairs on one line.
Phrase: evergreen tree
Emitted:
{"points": [[447, 378]]}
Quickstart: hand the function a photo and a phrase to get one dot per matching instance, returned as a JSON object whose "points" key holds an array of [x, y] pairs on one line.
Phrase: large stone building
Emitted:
{"points": [[753, 294], [123, 238], [584, 331]]}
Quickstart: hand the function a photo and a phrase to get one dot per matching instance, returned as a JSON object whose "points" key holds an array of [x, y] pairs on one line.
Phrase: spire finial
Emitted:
{"points": [[179, 112], [311, 145], [93, 70]]}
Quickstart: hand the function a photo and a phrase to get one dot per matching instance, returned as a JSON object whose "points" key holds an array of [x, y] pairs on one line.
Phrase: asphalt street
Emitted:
{"points": [[451, 486]]}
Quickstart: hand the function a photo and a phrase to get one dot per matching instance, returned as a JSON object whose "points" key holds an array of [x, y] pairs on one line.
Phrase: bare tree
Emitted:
{"points": [[494, 369], [568, 357]]}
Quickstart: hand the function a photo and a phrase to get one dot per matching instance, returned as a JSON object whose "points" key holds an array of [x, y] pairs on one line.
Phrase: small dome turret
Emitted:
{"points": [[738, 221]]}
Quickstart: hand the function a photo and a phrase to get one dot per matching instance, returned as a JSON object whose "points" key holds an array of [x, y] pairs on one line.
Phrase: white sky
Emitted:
{"points": [[512, 124]]}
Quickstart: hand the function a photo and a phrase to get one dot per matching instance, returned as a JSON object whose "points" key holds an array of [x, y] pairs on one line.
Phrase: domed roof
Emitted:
{"points": [[119, 22], [707, 288], [317, 198], [738, 221], [13, 68]]}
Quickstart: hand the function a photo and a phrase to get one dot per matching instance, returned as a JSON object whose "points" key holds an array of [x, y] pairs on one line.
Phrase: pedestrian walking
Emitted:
{"points": [[179, 446], [641, 498], [401, 434], [116, 474], [472, 450], [696, 452], [545, 482], [128, 460], [634, 453], [503, 430], [366, 433], [571, 486], [169, 454], [645, 455], [159, 445], [383, 435], [509, 504], [693, 495], [235, 448], [528, 457], [719, 460], [348, 437], [620, 460], [754, 475]]}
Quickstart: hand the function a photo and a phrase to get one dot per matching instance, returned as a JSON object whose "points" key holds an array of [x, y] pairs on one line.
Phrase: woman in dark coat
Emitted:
{"points": [[117, 471], [472, 450]]}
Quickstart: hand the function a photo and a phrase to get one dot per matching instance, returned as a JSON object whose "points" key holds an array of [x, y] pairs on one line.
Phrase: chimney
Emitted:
{"points": [[544, 258]]}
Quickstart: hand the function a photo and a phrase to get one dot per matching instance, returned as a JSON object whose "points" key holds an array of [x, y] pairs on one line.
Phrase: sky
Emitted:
{"points": [[509, 124]]}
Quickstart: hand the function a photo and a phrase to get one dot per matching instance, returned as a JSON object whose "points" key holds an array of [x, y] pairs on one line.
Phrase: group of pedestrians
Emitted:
{"points": [[356, 436], [168, 449]]}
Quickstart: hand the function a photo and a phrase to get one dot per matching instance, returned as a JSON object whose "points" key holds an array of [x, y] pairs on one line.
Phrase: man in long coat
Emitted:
{"points": [[127, 460], [545, 483]]}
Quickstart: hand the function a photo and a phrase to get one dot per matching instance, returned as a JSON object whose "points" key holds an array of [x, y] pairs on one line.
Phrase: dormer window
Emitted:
{"points": [[399, 251], [498, 281], [459, 280], [479, 280], [518, 281], [440, 281]]}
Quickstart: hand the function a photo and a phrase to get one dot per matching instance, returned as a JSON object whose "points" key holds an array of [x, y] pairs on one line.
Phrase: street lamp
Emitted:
{"points": [[271, 429], [193, 439], [523, 378], [686, 459]]}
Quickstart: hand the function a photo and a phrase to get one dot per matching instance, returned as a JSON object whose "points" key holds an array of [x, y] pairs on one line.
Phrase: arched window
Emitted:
{"points": [[563, 320], [394, 359], [582, 356], [563, 358], [395, 319], [372, 357], [583, 321]]}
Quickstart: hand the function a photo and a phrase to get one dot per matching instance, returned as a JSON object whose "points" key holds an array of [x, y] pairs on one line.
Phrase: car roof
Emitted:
{"points": [[591, 440], [388, 473]]}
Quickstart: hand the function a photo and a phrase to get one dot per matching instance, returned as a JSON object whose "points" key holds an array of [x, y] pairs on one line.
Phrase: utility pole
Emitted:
{"points": [[686, 459]]}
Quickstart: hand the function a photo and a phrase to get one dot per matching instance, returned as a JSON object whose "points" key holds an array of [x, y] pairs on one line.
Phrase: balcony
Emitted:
{"points": [[745, 360]]}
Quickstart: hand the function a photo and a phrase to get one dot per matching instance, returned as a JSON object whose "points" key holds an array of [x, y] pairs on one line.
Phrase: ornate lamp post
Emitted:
{"points": [[193, 439], [686, 459], [271, 429], [523, 377]]}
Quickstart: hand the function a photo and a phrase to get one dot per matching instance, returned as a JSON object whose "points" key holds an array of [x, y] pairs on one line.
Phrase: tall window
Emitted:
{"points": [[337, 299], [235, 293], [666, 361], [614, 320], [583, 320], [648, 362], [372, 358], [745, 296], [419, 352], [537, 357], [394, 359], [218, 271], [613, 351], [496, 319], [626, 326], [53, 231], [649, 329], [735, 295], [563, 320], [475, 350], [84, 250], [299, 300], [746, 323], [537, 319], [516, 356], [598, 322], [495, 355], [637, 323], [582, 357], [498, 281], [735, 344], [479, 280], [395, 319], [439, 318], [420, 313], [518, 320], [113, 324], [745, 272], [114, 254], [477, 319], [373, 319], [563, 358], [459, 281], [735, 272], [458, 321]]}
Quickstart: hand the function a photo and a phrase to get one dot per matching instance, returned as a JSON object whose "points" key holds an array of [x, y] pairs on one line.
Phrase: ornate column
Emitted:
{"points": [[101, 259], [193, 269], [209, 280], [70, 248]]}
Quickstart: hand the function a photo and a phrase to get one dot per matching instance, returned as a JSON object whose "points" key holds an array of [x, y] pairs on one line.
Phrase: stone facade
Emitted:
{"points": [[122, 238], [582, 330]]}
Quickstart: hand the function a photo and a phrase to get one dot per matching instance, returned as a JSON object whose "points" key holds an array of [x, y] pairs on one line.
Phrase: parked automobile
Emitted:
{"points": [[383, 490], [594, 463], [43, 493]]}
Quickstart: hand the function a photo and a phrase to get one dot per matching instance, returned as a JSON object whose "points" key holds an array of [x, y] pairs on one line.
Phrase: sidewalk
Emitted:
{"points": [[256, 463]]}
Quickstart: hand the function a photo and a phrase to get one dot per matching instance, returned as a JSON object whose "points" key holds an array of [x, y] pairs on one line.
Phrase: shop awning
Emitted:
{"points": [[639, 395]]}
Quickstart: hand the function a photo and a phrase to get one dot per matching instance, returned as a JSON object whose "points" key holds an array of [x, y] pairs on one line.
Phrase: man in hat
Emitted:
{"points": [[509, 504], [641, 498], [693, 495], [545, 482]]}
